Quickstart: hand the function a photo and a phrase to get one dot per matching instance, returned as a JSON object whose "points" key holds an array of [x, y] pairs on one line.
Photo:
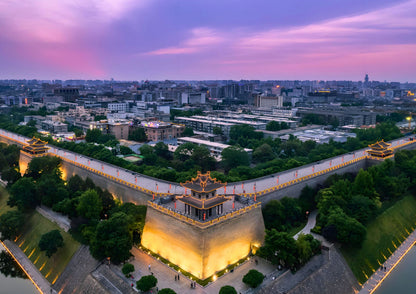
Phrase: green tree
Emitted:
{"points": [[146, 283], [90, 205], [162, 150], [307, 199], [23, 194], [50, 242], [253, 278], [217, 131], [11, 223], [184, 151], [234, 156], [93, 136], [263, 153], [202, 157], [274, 215], [279, 248], [138, 135], [228, 290], [127, 269], [113, 238], [51, 189], [349, 231], [188, 132], [245, 131], [364, 185], [273, 126], [166, 291], [39, 166], [75, 184]]}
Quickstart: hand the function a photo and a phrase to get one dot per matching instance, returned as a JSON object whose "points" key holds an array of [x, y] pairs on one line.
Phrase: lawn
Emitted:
{"points": [[4, 196], [384, 235], [37, 225], [51, 268]]}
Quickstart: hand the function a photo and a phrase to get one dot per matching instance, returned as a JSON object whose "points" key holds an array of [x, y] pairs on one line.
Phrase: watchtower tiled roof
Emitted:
{"points": [[203, 183], [380, 149], [36, 145]]}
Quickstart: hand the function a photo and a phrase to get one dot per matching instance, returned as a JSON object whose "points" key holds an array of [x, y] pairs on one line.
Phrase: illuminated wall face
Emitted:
{"points": [[23, 163], [202, 252]]}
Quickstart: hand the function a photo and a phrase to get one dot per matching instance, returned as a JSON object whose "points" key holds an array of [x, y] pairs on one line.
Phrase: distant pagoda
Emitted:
{"points": [[35, 147], [203, 202], [380, 149]]}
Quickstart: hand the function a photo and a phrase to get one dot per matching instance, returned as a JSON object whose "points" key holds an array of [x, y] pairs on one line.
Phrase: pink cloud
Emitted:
{"points": [[200, 40]]}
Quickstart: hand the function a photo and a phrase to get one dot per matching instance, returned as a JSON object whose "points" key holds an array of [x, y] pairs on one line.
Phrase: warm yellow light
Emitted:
{"points": [[409, 118], [214, 278]]}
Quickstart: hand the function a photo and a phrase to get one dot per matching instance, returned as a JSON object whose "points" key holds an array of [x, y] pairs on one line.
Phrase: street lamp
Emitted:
{"points": [[409, 119]]}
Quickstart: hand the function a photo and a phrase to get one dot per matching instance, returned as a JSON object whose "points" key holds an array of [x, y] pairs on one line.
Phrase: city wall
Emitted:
{"points": [[203, 251], [123, 191], [128, 192]]}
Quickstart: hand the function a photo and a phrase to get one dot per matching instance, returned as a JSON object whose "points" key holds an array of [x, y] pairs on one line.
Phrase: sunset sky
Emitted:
{"points": [[208, 39]]}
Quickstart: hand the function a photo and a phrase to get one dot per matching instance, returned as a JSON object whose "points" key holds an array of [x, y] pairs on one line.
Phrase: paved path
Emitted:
{"points": [[309, 226], [378, 276], [41, 284], [166, 275], [61, 220]]}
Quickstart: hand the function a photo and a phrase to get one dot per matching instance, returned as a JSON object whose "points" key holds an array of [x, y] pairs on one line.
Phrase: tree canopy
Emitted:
{"points": [[253, 278], [50, 242], [146, 283], [113, 238], [90, 205], [11, 223]]}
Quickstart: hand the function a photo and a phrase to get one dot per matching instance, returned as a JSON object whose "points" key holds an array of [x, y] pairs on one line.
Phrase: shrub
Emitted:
{"points": [[253, 278], [127, 269], [228, 290], [166, 291], [146, 283]]}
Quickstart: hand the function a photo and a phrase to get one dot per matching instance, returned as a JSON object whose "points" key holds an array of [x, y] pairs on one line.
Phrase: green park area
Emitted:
{"points": [[35, 226], [384, 234]]}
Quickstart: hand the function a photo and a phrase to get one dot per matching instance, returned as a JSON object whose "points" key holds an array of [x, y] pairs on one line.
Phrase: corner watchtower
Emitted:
{"points": [[380, 149], [203, 232], [34, 148], [203, 202]]}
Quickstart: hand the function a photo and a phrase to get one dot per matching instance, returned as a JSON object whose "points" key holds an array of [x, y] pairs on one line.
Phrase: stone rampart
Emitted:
{"points": [[203, 251]]}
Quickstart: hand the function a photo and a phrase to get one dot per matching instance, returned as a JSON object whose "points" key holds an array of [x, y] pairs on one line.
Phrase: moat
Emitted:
{"points": [[10, 284]]}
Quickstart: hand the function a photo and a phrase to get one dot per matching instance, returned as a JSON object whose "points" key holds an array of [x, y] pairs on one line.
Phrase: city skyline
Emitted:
{"points": [[186, 40]]}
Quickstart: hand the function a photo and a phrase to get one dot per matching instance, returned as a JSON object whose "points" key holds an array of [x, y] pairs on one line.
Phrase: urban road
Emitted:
{"points": [[251, 187]]}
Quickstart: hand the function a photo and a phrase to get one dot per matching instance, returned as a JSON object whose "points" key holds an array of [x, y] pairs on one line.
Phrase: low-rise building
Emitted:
{"points": [[214, 147], [159, 131]]}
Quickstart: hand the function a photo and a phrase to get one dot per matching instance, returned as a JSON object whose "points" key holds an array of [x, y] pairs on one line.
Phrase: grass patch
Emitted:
{"points": [[293, 231], [4, 196], [384, 235], [37, 225]]}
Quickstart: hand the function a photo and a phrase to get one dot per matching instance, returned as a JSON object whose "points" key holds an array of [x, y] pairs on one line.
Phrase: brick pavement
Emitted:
{"points": [[166, 275]]}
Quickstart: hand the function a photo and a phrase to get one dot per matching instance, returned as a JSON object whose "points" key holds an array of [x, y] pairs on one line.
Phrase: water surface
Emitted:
{"points": [[402, 279], [11, 276]]}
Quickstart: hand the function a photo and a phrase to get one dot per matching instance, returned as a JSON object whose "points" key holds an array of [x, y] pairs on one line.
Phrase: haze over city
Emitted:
{"points": [[183, 39]]}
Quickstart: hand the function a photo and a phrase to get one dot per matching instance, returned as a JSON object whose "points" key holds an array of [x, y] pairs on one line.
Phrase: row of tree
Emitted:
{"points": [[349, 203], [110, 228]]}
